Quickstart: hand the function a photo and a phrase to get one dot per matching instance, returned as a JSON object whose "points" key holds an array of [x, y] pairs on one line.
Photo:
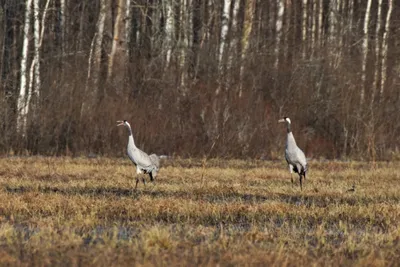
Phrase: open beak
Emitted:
{"points": [[281, 120], [120, 123]]}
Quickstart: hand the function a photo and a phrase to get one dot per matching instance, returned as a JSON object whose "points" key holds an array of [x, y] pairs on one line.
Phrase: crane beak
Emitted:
{"points": [[120, 123], [281, 120]]}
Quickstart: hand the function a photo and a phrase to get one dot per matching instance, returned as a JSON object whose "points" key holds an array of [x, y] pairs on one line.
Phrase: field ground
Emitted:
{"points": [[71, 212]]}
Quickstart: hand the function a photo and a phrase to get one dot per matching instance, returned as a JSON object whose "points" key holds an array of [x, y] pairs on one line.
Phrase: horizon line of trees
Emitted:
{"points": [[200, 77]]}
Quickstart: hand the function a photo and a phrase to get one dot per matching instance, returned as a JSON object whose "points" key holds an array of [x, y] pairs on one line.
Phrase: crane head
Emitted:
{"points": [[285, 119], [122, 123]]}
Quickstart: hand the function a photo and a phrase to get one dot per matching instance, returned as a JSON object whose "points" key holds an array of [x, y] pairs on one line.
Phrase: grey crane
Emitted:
{"points": [[294, 155], [144, 163]]}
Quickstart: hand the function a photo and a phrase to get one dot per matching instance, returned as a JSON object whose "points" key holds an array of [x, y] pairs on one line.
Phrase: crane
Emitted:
{"points": [[294, 155], [144, 163]]}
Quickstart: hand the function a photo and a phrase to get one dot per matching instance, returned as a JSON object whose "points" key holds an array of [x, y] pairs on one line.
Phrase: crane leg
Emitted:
{"points": [[291, 177], [137, 181], [301, 182], [144, 181]]}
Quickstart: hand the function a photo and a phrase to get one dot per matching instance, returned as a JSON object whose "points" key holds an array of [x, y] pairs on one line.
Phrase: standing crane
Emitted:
{"points": [[294, 155], [144, 163]]}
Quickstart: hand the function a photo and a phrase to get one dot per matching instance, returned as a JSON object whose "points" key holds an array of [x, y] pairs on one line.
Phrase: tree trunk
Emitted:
{"points": [[377, 52], [385, 48], [91, 90], [233, 42], [223, 37], [23, 105], [248, 25], [365, 53], [279, 22], [128, 28], [117, 60], [169, 32], [304, 29], [63, 26]]}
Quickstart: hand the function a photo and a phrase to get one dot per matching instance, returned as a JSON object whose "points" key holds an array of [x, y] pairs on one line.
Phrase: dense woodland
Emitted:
{"points": [[200, 77]]}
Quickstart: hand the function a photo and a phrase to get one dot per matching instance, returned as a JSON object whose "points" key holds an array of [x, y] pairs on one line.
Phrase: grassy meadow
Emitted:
{"points": [[84, 212]]}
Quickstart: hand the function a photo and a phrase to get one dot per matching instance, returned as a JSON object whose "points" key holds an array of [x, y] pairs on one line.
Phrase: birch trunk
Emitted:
{"points": [[63, 27], [22, 111], [184, 43], [248, 25], [314, 16], [224, 28], [94, 62], [234, 39], [377, 51], [385, 48], [288, 16], [304, 29], [365, 52], [169, 32], [320, 23], [128, 28], [223, 37], [117, 60], [279, 23]]}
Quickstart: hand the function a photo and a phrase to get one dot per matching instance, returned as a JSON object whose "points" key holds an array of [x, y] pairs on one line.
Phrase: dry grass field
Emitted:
{"points": [[84, 212]]}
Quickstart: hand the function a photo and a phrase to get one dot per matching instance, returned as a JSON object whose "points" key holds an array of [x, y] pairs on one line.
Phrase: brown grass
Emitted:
{"points": [[64, 211]]}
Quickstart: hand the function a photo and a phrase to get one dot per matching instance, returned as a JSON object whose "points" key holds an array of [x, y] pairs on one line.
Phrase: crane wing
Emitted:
{"points": [[142, 159], [155, 160]]}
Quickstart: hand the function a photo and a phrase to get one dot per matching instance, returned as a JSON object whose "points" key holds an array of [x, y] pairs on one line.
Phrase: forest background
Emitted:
{"points": [[191, 75]]}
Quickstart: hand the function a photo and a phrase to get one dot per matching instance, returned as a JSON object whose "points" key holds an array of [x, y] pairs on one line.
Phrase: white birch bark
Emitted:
{"points": [[288, 15], [304, 29], [169, 32], [234, 38], [332, 22], [184, 43], [350, 23], [98, 42], [118, 44], [37, 46], [224, 28], [62, 25], [278, 26], [365, 52], [94, 61], [377, 50], [223, 36], [320, 25], [313, 26], [385, 47], [248, 25], [128, 25], [21, 118]]}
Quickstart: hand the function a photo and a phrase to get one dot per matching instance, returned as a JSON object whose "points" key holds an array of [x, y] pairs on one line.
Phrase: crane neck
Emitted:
{"points": [[131, 142], [289, 130]]}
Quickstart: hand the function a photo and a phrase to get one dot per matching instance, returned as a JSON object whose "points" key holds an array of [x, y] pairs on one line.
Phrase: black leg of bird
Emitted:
{"points": [[144, 181], [137, 181], [301, 182]]}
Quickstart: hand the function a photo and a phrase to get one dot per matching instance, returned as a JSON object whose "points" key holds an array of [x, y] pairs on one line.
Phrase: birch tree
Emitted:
{"points": [[63, 26], [247, 27], [169, 31], [377, 51], [234, 39], [279, 22], [304, 29], [128, 27], [365, 52], [22, 104], [385, 48], [117, 60], [223, 37]]}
